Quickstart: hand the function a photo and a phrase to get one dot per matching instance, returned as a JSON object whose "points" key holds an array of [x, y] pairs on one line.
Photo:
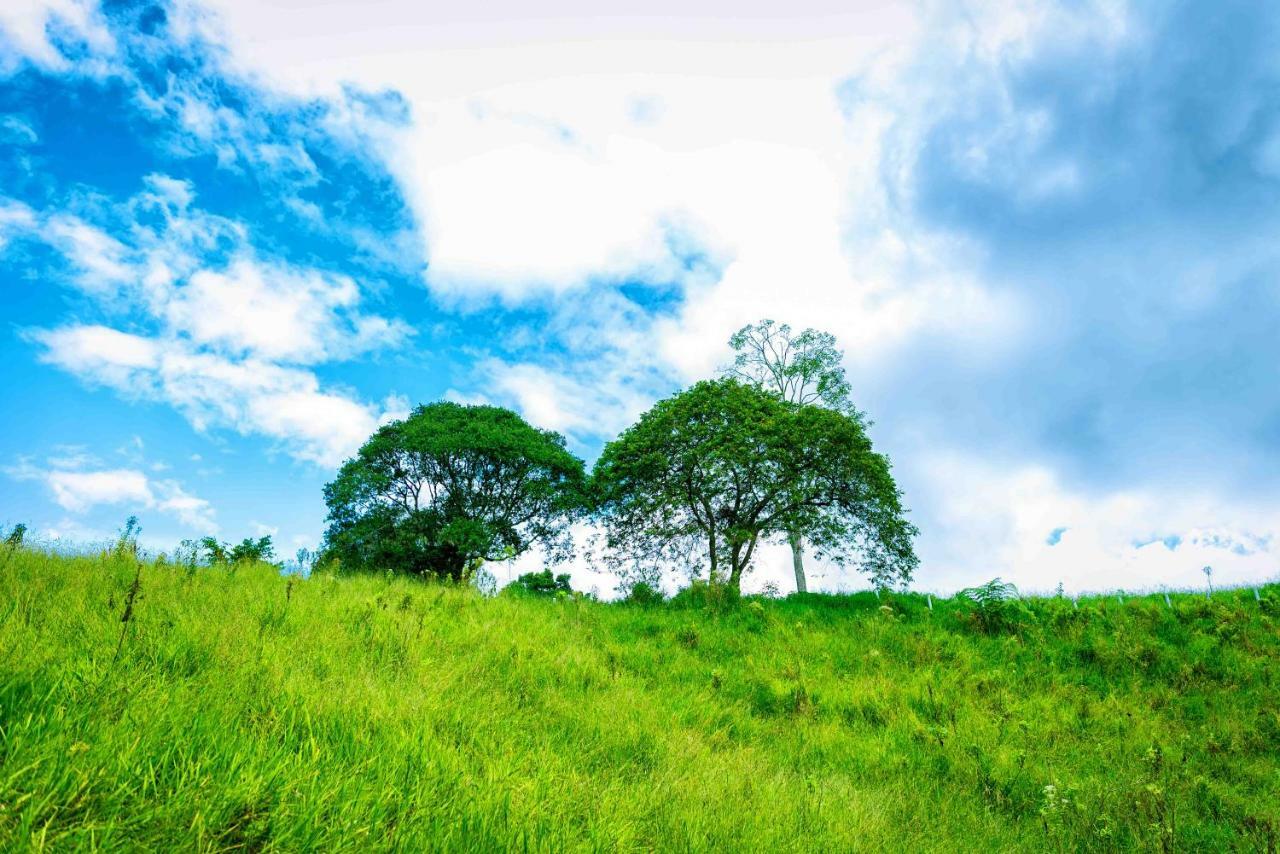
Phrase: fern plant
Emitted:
{"points": [[994, 607]]}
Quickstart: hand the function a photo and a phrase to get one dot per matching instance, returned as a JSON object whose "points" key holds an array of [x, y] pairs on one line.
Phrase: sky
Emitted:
{"points": [[235, 237]]}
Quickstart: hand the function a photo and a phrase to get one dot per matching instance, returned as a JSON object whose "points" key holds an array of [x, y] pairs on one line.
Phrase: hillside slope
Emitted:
{"points": [[246, 710]]}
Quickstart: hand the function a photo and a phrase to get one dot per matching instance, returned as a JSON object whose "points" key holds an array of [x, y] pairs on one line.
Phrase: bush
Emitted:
{"points": [[700, 594], [643, 593], [542, 583]]}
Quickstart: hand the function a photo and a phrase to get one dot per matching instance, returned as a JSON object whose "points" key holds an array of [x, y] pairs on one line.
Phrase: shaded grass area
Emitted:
{"points": [[246, 710]]}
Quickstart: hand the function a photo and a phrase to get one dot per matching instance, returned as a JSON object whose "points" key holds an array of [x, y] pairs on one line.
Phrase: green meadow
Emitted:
{"points": [[239, 709]]}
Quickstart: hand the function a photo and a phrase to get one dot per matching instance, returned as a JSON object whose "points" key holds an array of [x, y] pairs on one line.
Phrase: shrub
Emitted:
{"points": [[701, 594], [542, 583], [688, 637], [642, 593]]}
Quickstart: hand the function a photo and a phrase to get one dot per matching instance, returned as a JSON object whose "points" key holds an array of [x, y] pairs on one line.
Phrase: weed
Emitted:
{"points": [[688, 637], [130, 597]]}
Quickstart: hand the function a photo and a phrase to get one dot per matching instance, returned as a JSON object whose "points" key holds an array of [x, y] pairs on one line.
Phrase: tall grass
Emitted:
{"points": [[247, 710]]}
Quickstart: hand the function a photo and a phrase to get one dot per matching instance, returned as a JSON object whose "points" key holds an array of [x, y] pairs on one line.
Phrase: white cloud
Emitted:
{"points": [[532, 174], [243, 306], [593, 401], [277, 313], [105, 355], [227, 337], [15, 131], [25, 27], [101, 260], [79, 491], [78, 483], [15, 219], [250, 396], [997, 520], [195, 513]]}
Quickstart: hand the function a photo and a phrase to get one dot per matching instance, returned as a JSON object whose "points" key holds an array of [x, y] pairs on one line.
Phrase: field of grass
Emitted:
{"points": [[239, 709]]}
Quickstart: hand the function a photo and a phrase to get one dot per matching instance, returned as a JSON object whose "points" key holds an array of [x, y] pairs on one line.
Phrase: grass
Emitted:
{"points": [[246, 710]]}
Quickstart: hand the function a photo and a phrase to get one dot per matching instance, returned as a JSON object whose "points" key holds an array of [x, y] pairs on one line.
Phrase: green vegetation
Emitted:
{"points": [[542, 584], [451, 487], [804, 369], [711, 472], [163, 706], [247, 550]]}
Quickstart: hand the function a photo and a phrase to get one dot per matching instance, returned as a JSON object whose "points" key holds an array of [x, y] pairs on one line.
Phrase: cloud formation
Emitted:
{"points": [[78, 483], [223, 316], [1042, 231]]}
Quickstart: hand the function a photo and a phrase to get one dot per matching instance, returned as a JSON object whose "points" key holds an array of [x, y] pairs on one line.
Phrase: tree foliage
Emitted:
{"points": [[450, 487], [248, 550], [801, 368], [543, 583], [713, 471]]}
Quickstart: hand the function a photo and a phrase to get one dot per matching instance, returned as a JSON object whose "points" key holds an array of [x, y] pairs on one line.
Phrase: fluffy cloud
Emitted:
{"points": [[76, 486], [220, 316], [45, 31], [229, 329], [79, 490], [251, 396], [1027, 525], [277, 313]]}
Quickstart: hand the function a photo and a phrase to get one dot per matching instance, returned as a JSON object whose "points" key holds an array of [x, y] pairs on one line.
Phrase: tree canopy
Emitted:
{"points": [[706, 475], [247, 550], [799, 368], [450, 487]]}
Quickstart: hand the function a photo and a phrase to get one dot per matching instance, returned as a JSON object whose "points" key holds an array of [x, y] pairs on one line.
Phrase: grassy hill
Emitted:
{"points": [[238, 709]]}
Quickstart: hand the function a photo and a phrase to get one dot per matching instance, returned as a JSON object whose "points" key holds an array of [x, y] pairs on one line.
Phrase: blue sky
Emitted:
{"points": [[235, 237]]}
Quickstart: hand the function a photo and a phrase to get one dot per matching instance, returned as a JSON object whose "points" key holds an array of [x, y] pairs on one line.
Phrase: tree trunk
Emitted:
{"points": [[735, 579], [712, 574], [797, 561]]}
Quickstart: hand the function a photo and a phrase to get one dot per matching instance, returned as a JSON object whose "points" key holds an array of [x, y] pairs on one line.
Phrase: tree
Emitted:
{"points": [[215, 552], [802, 369], [724, 465], [451, 487], [249, 550]]}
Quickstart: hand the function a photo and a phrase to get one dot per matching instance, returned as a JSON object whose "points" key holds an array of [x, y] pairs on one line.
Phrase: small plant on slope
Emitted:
{"points": [[994, 607]]}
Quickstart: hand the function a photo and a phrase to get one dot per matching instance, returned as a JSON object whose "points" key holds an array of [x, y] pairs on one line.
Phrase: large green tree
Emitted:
{"points": [[802, 368], [450, 487], [707, 475]]}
